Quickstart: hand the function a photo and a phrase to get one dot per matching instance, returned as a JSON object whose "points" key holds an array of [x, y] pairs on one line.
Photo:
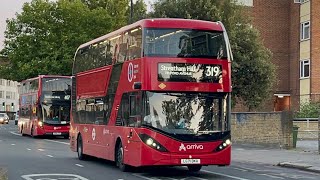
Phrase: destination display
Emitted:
{"points": [[182, 72]]}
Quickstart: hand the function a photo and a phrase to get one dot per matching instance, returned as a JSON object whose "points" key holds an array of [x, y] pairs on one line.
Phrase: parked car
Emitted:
{"points": [[4, 118]]}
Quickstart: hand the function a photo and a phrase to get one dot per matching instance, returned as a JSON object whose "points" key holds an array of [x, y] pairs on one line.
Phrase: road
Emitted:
{"points": [[50, 159]]}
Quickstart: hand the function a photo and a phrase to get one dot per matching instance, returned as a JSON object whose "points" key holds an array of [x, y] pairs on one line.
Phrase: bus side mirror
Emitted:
{"points": [[137, 85]]}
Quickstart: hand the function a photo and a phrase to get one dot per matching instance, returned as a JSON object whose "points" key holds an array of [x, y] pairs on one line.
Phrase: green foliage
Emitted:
{"points": [[44, 37], [117, 9], [252, 71], [308, 110]]}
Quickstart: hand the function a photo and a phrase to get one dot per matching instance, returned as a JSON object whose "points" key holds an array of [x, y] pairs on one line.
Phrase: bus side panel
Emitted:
{"points": [[93, 83]]}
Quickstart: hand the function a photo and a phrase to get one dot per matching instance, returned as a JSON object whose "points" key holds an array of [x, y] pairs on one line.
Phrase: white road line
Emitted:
{"points": [[40, 149], [240, 169], [28, 149], [50, 155], [13, 144], [220, 174], [276, 177], [198, 178], [143, 177], [250, 169], [79, 165], [57, 141], [15, 133]]}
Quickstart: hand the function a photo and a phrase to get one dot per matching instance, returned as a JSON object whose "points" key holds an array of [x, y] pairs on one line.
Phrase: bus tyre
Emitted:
{"points": [[120, 158], [194, 168], [21, 131], [32, 132], [81, 156]]}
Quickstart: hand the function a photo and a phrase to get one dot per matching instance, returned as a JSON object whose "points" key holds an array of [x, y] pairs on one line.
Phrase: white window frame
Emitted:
{"points": [[303, 63], [301, 1], [303, 27]]}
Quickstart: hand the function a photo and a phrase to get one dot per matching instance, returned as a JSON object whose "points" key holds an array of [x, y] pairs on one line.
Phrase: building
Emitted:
{"points": [[291, 30], [9, 96]]}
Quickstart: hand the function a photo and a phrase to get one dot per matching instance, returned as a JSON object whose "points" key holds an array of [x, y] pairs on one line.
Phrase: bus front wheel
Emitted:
{"points": [[194, 168], [120, 158], [81, 156]]}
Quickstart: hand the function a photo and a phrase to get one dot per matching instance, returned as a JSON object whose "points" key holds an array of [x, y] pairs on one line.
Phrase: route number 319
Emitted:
{"points": [[213, 71]]}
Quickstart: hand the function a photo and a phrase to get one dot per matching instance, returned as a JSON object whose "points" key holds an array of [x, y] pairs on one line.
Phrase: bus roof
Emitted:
{"points": [[162, 23], [45, 76]]}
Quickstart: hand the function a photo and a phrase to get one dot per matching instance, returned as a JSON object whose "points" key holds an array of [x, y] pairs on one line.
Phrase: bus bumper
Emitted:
{"points": [[151, 157]]}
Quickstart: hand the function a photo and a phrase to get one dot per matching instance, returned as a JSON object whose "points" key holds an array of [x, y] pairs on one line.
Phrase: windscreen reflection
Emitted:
{"points": [[186, 113]]}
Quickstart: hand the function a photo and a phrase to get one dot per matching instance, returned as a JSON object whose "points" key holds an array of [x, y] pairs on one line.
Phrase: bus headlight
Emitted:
{"points": [[225, 143], [152, 143], [40, 123]]}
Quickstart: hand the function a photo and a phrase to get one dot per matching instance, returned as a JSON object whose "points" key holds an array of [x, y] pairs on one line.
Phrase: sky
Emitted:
{"points": [[9, 8]]}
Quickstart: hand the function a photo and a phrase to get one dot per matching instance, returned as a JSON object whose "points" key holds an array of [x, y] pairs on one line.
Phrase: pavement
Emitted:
{"points": [[3, 174], [304, 157]]}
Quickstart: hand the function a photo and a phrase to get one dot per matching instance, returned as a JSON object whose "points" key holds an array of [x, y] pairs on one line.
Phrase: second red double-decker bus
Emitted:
{"points": [[154, 93], [45, 106]]}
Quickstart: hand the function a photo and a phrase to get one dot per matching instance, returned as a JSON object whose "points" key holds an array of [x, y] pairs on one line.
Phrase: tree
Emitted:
{"points": [[120, 9], [252, 71], [43, 38], [115, 8]]}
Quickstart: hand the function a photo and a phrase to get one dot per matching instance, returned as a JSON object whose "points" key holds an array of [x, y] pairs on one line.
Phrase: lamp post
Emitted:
{"points": [[131, 11]]}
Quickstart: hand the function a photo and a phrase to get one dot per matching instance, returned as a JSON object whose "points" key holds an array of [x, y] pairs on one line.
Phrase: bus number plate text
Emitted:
{"points": [[190, 161]]}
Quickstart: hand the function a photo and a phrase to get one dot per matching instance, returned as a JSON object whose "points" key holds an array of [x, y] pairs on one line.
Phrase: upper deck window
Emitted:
{"points": [[56, 84], [184, 43]]}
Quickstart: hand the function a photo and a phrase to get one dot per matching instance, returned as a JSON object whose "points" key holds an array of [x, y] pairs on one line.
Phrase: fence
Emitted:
{"points": [[308, 128]]}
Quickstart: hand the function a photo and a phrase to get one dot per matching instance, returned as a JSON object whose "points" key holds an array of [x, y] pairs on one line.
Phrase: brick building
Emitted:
{"points": [[291, 30]]}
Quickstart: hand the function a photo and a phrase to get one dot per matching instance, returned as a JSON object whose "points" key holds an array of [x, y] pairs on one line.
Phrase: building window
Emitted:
{"points": [[1, 94], [304, 68], [245, 2], [9, 95], [301, 1], [305, 30]]}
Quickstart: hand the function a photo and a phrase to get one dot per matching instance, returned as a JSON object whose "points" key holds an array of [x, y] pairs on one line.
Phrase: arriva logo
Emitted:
{"points": [[193, 146]]}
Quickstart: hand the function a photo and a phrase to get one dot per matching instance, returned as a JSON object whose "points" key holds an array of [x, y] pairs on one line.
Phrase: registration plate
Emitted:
{"points": [[57, 133], [190, 161]]}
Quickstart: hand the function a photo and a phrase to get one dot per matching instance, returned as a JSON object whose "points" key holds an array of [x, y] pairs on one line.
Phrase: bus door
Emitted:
{"points": [[129, 117]]}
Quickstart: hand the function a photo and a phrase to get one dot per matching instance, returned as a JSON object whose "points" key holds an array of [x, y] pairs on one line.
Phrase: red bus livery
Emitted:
{"points": [[154, 93], [45, 106]]}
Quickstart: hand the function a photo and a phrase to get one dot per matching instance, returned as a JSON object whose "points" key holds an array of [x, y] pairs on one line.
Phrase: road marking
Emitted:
{"points": [[28, 149], [250, 169], [47, 176], [277, 177], [13, 144], [220, 174], [79, 165], [143, 177], [40, 150], [15, 133], [198, 178], [57, 141], [50, 155], [240, 169]]}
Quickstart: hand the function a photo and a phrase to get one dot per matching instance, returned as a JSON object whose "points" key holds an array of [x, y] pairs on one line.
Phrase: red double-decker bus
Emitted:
{"points": [[45, 103], [154, 93]]}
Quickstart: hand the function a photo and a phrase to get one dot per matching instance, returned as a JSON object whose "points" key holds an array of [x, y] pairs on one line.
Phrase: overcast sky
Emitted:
{"points": [[9, 8]]}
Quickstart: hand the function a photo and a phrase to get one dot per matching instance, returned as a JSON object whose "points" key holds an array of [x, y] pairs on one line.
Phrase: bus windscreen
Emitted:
{"points": [[184, 43]]}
